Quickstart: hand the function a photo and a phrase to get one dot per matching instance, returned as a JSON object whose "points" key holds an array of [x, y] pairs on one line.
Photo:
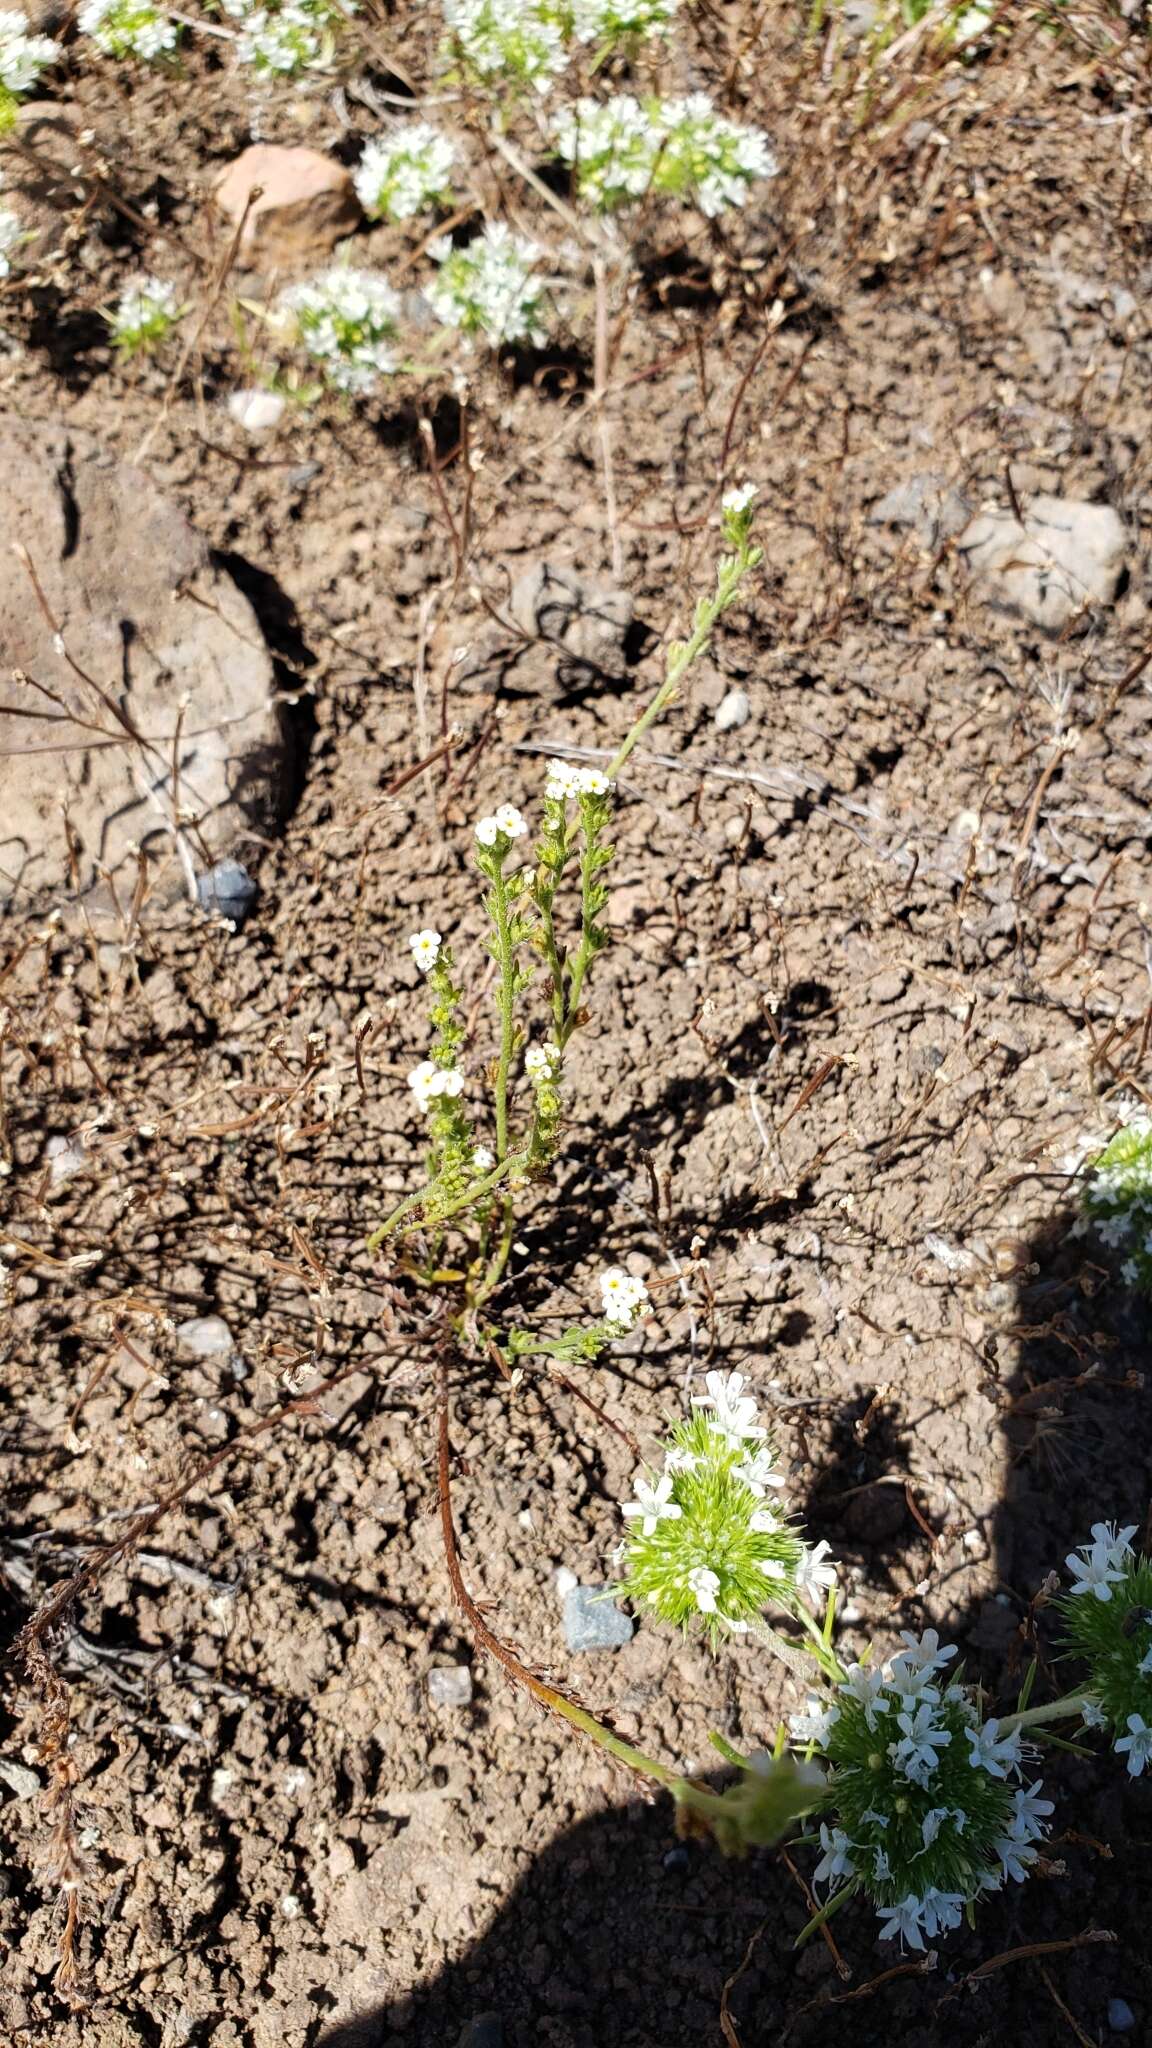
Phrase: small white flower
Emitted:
{"points": [[758, 1472], [879, 1820], [1099, 1566], [764, 1523], [734, 1412], [941, 1911], [146, 312], [989, 1751], [654, 1503], [1137, 1742], [881, 1868], [127, 28], [449, 1081], [514, 39], [1144, 1667], [563, 781], [624, 1297], [510, 821], [738, 501], [815, 1724], [1029, 1810], [678, 1460], [489, 287], [22, 56], [932, 1823], [347, 321], [914, 1754], [1016, 1857], [1093, 1716], [542, 1062], [419, 1081], [835, 1862], [923, 1653], [483, 1159], [403, 173], [814, 1574], [704, 1586], [903, 1920], [425, 947], [866, 1686], [487, 831]]}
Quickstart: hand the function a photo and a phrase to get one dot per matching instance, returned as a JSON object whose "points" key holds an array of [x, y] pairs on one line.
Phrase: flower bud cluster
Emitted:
{"points": [[929, 1811], [128, 28], [705, 1545], [145, 316], [1107, 1620], [1116, 1199], [489, 287]]}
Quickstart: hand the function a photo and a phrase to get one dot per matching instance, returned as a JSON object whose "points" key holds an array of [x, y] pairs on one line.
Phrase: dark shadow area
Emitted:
{"points": [[292, 660]]}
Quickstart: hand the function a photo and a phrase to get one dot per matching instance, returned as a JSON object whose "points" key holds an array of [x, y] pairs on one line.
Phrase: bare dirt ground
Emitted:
{"points": [[880, 961]]}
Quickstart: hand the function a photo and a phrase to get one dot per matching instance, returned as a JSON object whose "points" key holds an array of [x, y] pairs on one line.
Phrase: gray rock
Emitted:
{"points": [[1121, 2018], [205, 1337], [485, 2031], [450, 1685], [676, 1860], [586, 622], [592, 1620], [20, 1780], [227, 890], [733, 711], [928, 503], [1065, 557]]}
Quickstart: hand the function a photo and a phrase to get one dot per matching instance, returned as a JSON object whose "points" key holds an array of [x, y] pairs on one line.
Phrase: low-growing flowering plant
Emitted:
{"points": [[22, 58], [518, 42], [289, 39], [144, 317], [490, 287], [1107, 1621], [128, 28], [610, 23], [347, 321], [405, 172], [1116, 1199], [624, 148]]}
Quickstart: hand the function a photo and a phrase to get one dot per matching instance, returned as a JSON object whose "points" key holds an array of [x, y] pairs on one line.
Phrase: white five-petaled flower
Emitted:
{"points": [[624, 1296], [764, 1523], [903, 1920], [484, 1158], [866, 1686], [505, 821], [680, 1460], [815, 1724], [425, 947], [1137, 1742], [738, 500], [566, 780], [914, 1753], [835, 1862], [733, 1412], [758, 1472], [815, 1572], [542, 1062], [703, 1586], [654, 1503], [1100, 1565], [941, 1911], [992, 1752], [1028, 1812], [427, 1081]]}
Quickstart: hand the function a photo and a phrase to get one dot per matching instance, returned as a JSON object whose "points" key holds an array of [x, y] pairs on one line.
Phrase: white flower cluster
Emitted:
{"points": [[402, 173], [22, 57], [428, 1082], [347, 320], [128, 28], [1098, 1566], [935, 1912], [425, 947], [505, 821], [281, 41], [611, 21], [566, 780], [514, 39], [738, 501], [488, 286], [11, 232], [623, 148], [542, 1062], [625, 1300], [146, 313]]}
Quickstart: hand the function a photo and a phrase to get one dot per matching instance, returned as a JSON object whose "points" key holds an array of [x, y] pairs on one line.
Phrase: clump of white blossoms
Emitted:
{"points": [[1107, 1620], [623, 148], [1116, 1199], [489, 288], [928, 1806], [22, 58], [145, 316], [11, 233], [405, 172], [566, 780], [128, 28], [425, 946], [618, 21], [517, 42], [625, 1298], [284, 41], [723, 1543], [347, 320]]}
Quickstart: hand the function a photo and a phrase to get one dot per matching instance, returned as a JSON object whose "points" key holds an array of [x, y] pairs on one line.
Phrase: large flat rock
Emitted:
{"points": [[149, 717]]}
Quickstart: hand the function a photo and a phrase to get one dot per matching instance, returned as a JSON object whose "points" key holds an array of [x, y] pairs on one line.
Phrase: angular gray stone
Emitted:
{"points": [[450, 1685], [587, 622], [205, 1337], [161, 654], [928, 503], [592, 1620], [227, 890], [1063, 558]]}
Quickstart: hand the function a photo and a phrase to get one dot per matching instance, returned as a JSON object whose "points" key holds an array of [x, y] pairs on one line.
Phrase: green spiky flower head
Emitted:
{"points": [[1107, 1620]]}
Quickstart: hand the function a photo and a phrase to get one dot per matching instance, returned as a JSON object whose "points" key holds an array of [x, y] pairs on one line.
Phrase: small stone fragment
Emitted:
{"points": [[592, 1620], [676, 1860], [1063, 558], [306, 204], [450, 1685], [19, 1779], [1121, 2018], [566, 1581], [227, 890], [733, 710], [586, 622], [485, 2031], [256, 411], [928, 503], [65, 1157], [205, 1337]]}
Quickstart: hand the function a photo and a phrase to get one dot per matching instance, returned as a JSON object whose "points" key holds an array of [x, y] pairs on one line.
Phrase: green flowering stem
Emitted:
{"points": [[682, 653], [801, 1663], [506, 962], [1072, 1704], [515, 1162], [822, 1918]]}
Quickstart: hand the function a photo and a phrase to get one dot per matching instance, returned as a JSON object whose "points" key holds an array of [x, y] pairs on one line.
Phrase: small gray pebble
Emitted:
{"points": [[1121, 2018], [592, 1621], [677, 1860], [450, 1685], [733, 710], [227, 890], [485, 2031], [205, 1337]]}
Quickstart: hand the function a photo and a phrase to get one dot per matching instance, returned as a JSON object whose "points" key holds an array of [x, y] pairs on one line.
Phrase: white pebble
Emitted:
{"points": [[256, 411], [734, 710]]}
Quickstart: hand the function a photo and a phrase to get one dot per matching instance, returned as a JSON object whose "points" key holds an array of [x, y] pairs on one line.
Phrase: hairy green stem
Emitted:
{"points": [[1064, 1709]]}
